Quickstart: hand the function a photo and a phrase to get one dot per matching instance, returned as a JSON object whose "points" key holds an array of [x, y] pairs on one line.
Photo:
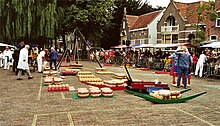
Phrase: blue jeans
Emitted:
{"points": [[184, 72], [53, 61]]}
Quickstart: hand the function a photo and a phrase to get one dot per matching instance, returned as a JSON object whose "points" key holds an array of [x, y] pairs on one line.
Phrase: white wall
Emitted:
{"points": [[153, 29]]}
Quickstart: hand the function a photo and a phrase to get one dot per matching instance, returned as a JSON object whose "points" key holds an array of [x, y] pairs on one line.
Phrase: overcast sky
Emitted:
{"points": [[164, 3]]}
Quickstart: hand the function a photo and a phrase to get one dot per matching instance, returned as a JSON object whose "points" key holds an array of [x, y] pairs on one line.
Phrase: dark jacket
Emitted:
{"points": [[53, 55], [184, 59]]}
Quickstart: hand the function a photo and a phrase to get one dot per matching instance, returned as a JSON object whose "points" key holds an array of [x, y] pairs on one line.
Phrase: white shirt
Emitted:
{"points": [[23, 59], [41, 54], [202, 58], [1, 56], [7, 53]]}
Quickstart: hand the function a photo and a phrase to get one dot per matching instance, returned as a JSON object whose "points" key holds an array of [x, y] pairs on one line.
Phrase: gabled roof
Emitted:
{"points": [[136, 22], [188, 10], [131, 19]]}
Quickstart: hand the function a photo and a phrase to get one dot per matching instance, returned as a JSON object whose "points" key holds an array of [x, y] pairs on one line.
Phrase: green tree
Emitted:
{"points": [[134, 7], [204, 11], [91, 17]]}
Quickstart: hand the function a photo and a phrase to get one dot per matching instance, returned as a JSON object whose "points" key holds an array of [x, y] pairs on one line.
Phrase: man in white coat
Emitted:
{"points": [[200, 64], [40, 58], [23, 63], [1, 59], [7, 56]]}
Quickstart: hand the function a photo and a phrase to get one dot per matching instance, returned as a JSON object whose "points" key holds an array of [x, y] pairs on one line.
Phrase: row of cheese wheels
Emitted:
{"points": [[94, 92]]}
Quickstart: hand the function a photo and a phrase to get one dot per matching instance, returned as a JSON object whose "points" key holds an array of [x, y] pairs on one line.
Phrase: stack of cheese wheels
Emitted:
{"points": [[107, 92], [96, 83], [86, 76], [82, 92], [164, 93], [53, 72], [120, 75], [104, 72], [114, 83], [95, 92], [84, 73], [46, 68], [48, 80], [46, 73], [57, 80], [71, 70], [175, 94]]}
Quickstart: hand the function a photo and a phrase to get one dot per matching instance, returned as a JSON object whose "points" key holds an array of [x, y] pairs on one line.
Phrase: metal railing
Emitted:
{"points": [[170, 28]]}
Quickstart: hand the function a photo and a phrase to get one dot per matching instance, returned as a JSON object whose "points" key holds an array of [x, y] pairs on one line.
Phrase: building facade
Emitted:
{"points": [[140, 29], [179, 23]]}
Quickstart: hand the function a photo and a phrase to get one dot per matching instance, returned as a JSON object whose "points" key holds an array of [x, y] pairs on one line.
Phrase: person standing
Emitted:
{"points": [[40, 58], [195, 60], [200, 64], [184, 63], [23, 63], [15, 56], [7, 56], [1, 59], [53, 58]]}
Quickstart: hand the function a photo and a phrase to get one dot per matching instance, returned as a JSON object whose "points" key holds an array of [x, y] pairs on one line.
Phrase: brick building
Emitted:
{"points": [[140, 29], [177, 25]]}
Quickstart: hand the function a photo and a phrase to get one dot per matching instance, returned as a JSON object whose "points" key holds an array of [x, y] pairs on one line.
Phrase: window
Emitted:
{"points": [[132, 42], [218, 20], [213, 37], [142, 41], [174, 38], [167, 39], [170, 21]]}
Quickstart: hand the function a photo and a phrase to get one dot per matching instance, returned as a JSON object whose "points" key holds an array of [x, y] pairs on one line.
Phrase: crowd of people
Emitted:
{"points": [[23, 55], [205, 63]]}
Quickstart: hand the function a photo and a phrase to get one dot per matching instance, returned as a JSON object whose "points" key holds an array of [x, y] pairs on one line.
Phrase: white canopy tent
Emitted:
{"points": [[212, 45], [3, 44]]}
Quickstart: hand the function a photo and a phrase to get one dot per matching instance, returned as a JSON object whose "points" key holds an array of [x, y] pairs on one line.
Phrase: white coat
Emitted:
{"points": [[23, 59]]}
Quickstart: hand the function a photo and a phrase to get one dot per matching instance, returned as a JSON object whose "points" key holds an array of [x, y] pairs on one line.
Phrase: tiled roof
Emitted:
{"points": [[131, 20], [188, 10], [144, 20], [217, 6], [136, 22]]}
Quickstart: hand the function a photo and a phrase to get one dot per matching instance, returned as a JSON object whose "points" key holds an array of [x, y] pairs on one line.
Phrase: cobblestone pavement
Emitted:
{"points": [[27, 103]]}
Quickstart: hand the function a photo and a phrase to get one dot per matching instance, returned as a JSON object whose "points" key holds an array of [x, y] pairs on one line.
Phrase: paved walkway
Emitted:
{"points": [[27, 103]]}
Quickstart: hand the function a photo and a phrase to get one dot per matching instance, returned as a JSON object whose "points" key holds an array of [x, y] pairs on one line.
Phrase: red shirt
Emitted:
{"points": [[195, 59]]}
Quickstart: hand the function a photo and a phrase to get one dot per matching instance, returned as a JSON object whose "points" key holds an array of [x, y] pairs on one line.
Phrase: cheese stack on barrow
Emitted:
{"points": [[166, 94], [114, 83]]}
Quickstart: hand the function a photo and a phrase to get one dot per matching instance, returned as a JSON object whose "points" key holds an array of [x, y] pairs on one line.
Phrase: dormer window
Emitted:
{"points": [[170, 21]]}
